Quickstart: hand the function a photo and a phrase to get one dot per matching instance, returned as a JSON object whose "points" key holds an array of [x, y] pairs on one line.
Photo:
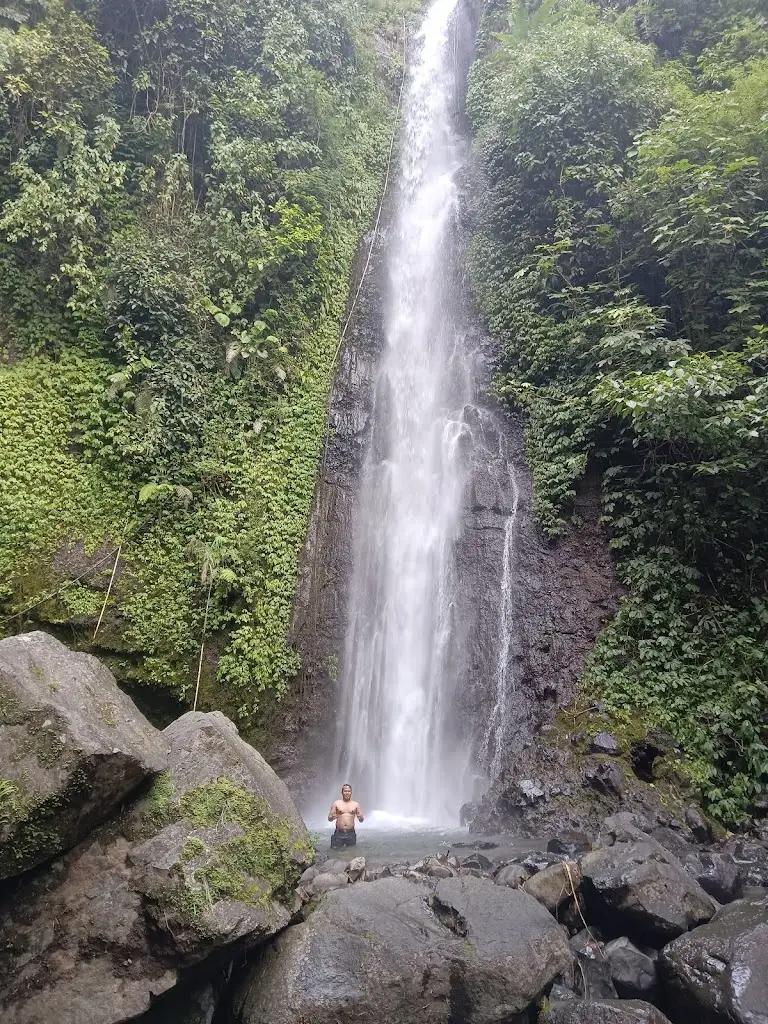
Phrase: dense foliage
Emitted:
{"points": [[621, 254], [182, 187]]}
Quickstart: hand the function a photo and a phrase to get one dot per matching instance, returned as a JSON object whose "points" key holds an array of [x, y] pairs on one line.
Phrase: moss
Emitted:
{"points": [[9, 802], [43, 742], [107, 713], [193, 849], [34, 824], [671, 783], [252, 867], [157, 806], [10, 706]]}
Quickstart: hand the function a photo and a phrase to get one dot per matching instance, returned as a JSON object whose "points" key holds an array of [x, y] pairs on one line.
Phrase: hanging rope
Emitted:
{"points": [[109, 591], [202, 643]]}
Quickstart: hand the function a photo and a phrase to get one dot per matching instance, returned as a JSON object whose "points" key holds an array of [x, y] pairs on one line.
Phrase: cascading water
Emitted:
{"points": [[495, 735], [399, 673]]}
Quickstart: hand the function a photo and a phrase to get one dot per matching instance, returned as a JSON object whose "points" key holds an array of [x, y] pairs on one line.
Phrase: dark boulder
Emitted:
{"points": [[632, 972], [644, 890], [717, 873], [205, 862], [72, 747], [720, 971], [512, 875], [539, 861], [604, 1011], [478, 861], [555, 885], [374, 874], [698, 825], [751, 858], [606, 778], [325, 881], [604, 743], [356, 869], [623, 827], [571, 844], [437, 866], [673, 841], [389, 952], [590, 976]]}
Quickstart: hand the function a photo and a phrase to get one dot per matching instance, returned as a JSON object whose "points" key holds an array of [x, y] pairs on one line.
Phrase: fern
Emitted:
{"points": [[12, 16], [524, 23]]}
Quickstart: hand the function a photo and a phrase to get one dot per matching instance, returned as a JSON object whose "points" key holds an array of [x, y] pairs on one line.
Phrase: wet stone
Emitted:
{"points": [[513, 875], [604, 743], [531, 791], [632, 972], [570, 845]]}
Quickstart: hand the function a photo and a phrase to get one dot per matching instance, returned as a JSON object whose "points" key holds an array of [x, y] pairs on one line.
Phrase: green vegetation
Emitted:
{"points": [[253, 867], [621, 256], [253, 863], [183, 187]]}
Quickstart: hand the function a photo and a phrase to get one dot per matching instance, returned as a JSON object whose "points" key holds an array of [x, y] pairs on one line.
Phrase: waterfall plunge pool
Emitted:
{"points": [[386, 838]]}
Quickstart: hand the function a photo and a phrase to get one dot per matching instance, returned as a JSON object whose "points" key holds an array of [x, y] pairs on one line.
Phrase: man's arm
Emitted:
{"points": [[359, 812], [333, 813]]}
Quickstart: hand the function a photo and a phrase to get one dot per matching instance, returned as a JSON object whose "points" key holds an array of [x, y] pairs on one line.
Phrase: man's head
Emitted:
{"points": [[346, 791]]}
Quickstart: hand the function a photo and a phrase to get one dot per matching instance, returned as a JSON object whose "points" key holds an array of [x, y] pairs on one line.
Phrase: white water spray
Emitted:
{"points": [[398, 739], [495, 736]]}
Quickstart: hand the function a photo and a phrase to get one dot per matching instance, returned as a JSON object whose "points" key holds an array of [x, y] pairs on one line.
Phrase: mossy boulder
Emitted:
{"points": [[72, 747], [232, 847], [204, 861]]}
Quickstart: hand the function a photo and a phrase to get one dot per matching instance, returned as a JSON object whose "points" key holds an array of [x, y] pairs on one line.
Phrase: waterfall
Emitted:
{"points": [[495, 735], [398, 739]]}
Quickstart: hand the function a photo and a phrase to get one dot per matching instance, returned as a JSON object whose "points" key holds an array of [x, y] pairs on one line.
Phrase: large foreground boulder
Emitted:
{"points": [[206, 861], [391, 952], [72, 747], [641, 889], [719, 972], [603, 1011]]}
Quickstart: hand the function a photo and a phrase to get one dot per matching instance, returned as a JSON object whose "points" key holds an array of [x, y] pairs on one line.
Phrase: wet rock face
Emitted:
{"points": [[561, 784], [205, 861], [720, 971], [389, 953], [72, 747]]}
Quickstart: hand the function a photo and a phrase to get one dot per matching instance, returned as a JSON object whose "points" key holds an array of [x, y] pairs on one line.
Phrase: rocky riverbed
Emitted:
{"points": [[167, 878]]}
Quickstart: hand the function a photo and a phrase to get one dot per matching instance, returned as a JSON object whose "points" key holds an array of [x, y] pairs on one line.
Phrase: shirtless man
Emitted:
{"points": [[344, 812]]}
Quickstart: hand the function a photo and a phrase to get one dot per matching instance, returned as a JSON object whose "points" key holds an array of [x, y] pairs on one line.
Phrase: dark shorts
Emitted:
{"points": [[341, 839]]}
